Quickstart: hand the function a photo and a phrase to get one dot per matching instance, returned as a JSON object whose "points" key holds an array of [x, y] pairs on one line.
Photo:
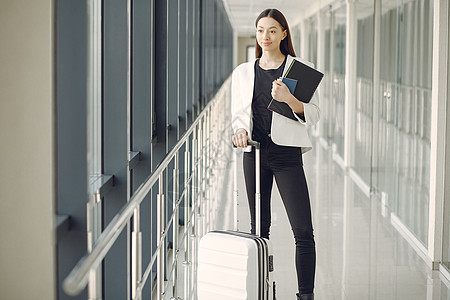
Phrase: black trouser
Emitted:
{"points": [[285, 163]]}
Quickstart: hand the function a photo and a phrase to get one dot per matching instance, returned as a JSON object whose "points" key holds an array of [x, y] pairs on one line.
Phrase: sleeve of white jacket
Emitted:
{"points": [[239, 117], [311, 111]]}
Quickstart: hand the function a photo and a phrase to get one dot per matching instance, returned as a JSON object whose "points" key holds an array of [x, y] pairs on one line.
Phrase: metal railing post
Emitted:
{"points": [[194, 183], [214, 130], [160, 211], [136, 254], [200, 158], [210, 184], [187, 219], [187, 199], [209, 143], [204, 152], [94, 228], [176, 223], [207, 170]]}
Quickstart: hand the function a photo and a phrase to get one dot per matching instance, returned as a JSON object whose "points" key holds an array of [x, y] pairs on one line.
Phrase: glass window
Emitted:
{"points": [[364, 91], [404, 118], [325, 96], [94, 94], [386, 154], [338, 84], [446, 231], [313, 41], [414, 114]]}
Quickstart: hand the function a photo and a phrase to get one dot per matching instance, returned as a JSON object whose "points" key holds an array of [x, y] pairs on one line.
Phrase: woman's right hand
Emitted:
{"points": [[240, 138]]}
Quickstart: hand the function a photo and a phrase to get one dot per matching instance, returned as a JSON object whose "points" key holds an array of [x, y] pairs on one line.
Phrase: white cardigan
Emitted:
{"points": [[284, 131]]}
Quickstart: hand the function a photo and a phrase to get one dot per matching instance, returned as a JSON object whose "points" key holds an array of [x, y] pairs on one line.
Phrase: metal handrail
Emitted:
{"points": [[78, 278]]}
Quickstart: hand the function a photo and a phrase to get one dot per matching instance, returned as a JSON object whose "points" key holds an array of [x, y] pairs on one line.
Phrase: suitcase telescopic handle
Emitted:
{"points": [[257, 146], [258, 185]]}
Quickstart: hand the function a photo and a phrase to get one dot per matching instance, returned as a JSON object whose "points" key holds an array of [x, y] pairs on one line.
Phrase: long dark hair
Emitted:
{"points": [[286, 44]]}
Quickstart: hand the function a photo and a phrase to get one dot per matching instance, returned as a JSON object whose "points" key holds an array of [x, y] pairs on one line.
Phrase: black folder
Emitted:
{"points": [[308, 80]]}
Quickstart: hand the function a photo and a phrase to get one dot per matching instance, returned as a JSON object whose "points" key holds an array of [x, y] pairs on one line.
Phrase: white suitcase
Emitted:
{"points": [[235, 265]]}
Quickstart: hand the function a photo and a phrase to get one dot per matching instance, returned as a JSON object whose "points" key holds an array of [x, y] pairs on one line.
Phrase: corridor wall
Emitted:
{"points": [[27, 147]]}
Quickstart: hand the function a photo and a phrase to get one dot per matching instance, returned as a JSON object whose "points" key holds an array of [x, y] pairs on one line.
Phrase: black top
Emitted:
{"points": [[262, 94]]}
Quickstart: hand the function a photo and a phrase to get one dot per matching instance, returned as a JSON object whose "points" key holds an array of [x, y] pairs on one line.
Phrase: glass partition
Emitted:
{"points": [[386, 119], [446, 231], [414, 114], [364, 93], [312, 40], [392, 148], [404, 118], [325, 96], [94, 96], [338, 84]]}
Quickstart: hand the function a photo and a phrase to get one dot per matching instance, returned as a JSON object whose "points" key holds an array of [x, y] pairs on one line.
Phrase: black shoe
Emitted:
{"points": [[305, 297]]}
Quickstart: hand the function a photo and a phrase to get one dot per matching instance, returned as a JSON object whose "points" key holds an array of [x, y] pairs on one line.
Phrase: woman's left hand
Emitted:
{"points": [[280, 91]]}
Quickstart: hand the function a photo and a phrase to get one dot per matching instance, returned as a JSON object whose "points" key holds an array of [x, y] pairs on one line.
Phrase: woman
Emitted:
{"points": [[283, 140]]}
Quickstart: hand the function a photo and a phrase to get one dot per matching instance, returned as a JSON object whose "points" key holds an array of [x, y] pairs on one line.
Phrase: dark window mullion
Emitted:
{"points": [[115, 137]]}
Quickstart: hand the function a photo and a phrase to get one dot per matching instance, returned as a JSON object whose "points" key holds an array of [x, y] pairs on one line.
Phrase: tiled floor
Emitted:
{"points": [[360, 255]]}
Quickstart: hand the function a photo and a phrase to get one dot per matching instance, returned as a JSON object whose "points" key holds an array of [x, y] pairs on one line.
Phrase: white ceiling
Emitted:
{"points": [[243, 13]]}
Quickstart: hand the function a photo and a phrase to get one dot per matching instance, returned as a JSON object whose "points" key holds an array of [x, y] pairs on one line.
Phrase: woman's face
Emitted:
{"points": [[269, 34]]}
